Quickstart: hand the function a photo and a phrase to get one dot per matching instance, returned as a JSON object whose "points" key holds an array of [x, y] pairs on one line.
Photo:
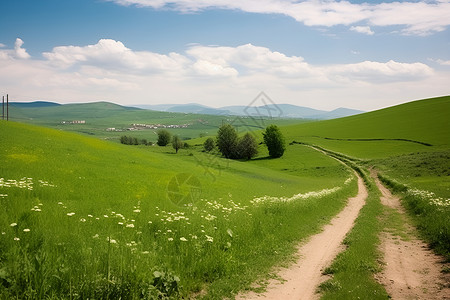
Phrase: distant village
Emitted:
{"points": [[134, 126], [148, 126]]}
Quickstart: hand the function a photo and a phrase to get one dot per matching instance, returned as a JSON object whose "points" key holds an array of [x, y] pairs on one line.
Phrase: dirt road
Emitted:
{"points": [[411, 270], [303, 278]]}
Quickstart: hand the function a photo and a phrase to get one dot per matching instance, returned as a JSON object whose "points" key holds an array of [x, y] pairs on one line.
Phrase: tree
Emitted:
{"points": [[163, 137], [209, 145], [177, 143], [247, 147], [227, 140], [274, 140]]}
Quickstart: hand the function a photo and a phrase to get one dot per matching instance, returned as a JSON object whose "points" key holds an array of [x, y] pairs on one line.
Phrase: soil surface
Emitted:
{"points": [[302, 279], [410, 269]]}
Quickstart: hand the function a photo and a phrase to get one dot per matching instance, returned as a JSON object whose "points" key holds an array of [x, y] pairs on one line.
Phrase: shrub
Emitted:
{"points": [[164, 137], [209, 145], [177, 143], [227, 140], [247, 147], [274, 140]]}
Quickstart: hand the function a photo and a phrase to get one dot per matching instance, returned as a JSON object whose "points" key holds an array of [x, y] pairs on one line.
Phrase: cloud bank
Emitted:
{"points": [[212, 75], [416, 17]]}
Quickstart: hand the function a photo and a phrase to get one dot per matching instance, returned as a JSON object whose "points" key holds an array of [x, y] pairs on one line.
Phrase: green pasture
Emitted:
{"points": [[85, 218]]}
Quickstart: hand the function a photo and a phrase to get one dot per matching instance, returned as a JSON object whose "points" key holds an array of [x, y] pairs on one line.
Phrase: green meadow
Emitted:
{"points": [[86, 218]]}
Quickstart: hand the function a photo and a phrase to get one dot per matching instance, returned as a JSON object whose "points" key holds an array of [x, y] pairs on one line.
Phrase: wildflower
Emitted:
{"points": [[111, 241], [230, 232], [145, 252], [183, 239], [169, 230], [3, 233], [13, 224], [70, 214], [16, 239], [137, 211], [170, 239], [95, 236], [60, 203], [83, 220], [130, 226], [150, 222], [209, 238], [120, 223], [90, 216], [106, 216], [26, 230]]}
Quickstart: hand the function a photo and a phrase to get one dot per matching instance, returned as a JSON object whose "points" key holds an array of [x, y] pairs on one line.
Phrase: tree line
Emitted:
{"points": [[232, 146], [227, 141]]}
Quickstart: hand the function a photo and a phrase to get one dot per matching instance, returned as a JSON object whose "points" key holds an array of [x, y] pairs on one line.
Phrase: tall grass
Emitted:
{"points": [[431, 214]]}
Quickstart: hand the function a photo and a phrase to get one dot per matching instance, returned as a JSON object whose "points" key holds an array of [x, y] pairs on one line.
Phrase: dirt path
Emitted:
{"points": [[303, 278], [411, 270]]}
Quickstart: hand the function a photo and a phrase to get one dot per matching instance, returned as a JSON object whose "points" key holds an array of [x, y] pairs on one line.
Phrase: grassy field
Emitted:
{"points": [[85, 218]]}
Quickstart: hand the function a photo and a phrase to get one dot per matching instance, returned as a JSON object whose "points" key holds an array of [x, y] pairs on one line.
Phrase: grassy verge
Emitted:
{"points": [[431, 214], [353, 270]]}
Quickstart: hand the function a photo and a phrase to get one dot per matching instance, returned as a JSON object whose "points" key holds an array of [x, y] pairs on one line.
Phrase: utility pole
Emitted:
{"points": [[3, 107], [7, 107]]}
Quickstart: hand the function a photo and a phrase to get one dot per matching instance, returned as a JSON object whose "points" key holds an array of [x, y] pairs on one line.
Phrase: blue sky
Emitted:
{"points": [[322, 54]]}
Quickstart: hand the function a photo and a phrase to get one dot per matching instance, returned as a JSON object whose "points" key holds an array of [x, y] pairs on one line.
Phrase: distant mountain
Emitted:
{"points": [[337, 113], [34, 104], [192, 108], [272, 110]]}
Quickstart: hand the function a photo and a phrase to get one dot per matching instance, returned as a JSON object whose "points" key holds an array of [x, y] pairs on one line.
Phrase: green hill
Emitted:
{"points": [[401, 129]]}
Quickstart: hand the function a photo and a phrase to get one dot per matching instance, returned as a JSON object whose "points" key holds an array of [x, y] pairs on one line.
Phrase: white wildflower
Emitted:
{"points": [[26, 230], [70, 214], [170, 239], [82, 220], [183, 239], [209, 238], [96, 236], [130, 226], [17, 239], [13, 224]]}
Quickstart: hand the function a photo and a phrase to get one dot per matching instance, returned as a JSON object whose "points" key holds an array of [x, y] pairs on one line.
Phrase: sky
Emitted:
{"points": [[321, 54]]}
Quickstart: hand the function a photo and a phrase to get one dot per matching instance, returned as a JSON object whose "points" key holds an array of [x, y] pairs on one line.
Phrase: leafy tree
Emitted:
{"points": [[247, 147], [227, 140], [209, 144], [274, 140], [164, 137], [124, 139], [177, 143]]}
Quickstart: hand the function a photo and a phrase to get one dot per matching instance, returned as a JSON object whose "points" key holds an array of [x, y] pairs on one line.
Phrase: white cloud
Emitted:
{"points": [[374, 72], [212, 75], [440, 61], [362, 29], [110, 54], [19, 51], [417, 18]]}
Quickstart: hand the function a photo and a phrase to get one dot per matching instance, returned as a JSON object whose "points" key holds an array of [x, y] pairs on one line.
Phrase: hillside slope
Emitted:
{"points": [[400, 129]]}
